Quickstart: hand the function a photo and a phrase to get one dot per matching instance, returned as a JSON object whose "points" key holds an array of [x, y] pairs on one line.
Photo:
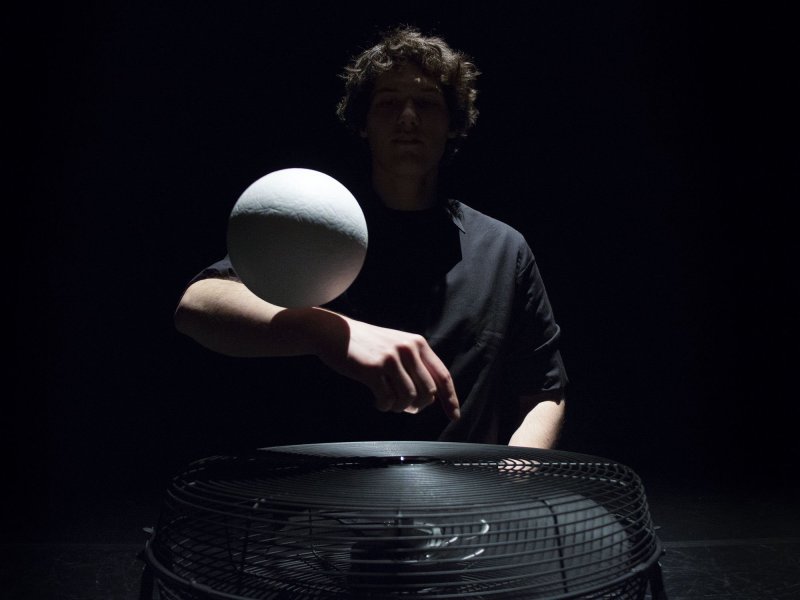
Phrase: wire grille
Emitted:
{"points": [[396, 519]]}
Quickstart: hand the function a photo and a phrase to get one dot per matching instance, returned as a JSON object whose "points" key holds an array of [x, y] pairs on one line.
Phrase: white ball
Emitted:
{"points": [[297, 238]]}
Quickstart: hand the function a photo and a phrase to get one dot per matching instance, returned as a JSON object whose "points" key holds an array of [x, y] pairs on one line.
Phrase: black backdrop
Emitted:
{"points": [[646, 150]]}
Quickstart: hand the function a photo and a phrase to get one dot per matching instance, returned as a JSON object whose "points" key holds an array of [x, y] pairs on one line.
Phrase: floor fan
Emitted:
{"points": [[387, 520]]}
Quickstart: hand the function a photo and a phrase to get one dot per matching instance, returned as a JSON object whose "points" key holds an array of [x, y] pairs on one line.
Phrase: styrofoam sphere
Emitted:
{"points": [[297, 238]]}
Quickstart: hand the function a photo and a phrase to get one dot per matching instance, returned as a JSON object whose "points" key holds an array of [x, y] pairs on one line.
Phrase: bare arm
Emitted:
{"points": [[400, 368], [542, 422]]}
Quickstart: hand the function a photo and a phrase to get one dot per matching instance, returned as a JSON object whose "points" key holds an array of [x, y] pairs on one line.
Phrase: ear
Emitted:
{"points": [[363, 133]]}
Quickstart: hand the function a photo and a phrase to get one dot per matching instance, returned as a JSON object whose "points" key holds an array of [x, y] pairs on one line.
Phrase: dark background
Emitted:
{"points": [[646, 150]]}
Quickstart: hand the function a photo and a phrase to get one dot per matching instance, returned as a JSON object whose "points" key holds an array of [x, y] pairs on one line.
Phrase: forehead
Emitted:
{"points": [[406, 77]]}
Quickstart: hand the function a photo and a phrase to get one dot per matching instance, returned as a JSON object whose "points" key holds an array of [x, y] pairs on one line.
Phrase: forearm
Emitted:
{"points": [[224, 316], [400, 368], [541, 425]]}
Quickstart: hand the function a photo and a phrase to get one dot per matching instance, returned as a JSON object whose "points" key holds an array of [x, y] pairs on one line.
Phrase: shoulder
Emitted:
{"points": [[475, 222], [493, 241]]}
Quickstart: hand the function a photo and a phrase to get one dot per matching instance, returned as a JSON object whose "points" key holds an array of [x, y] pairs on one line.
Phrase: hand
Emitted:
{"points": [[400, 368]]}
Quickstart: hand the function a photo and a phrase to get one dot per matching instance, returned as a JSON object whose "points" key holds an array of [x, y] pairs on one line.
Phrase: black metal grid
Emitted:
{"points": [[396, 519]]}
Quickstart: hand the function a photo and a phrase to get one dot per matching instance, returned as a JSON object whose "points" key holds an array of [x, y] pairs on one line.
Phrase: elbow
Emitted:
{"points": [[186, 316], [180, 319]]}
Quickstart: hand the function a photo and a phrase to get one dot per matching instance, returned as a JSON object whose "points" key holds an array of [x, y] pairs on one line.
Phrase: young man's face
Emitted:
{"points": [[408, 122]]}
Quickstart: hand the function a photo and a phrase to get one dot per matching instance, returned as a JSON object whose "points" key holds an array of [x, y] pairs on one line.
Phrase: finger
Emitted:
{"points": [[383, 393], [445, 390], [404, 391], [424, 384]]}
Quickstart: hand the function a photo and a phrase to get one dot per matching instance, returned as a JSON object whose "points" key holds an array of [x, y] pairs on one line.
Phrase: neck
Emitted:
{"points": [[405, 191]]}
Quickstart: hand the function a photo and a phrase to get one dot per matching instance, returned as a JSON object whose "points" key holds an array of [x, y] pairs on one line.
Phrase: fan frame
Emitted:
{"points": [[514, 461]]}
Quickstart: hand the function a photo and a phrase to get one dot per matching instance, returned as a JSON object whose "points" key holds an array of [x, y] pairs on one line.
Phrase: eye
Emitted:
{"points": [[429, 102], [385, 102]]}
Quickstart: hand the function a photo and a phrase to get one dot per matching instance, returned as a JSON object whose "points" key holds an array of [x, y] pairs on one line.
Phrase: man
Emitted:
{"points": [[449, 307]]}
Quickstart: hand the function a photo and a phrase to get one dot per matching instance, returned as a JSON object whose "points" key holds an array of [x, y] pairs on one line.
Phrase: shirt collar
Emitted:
{"points": [[453, 208]]}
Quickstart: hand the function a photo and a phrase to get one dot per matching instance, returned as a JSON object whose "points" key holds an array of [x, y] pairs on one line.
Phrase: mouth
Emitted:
{"points": [[403, 141]]}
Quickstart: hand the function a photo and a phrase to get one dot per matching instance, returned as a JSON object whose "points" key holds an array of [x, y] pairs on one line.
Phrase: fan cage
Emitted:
{"points": [[404, 519]]}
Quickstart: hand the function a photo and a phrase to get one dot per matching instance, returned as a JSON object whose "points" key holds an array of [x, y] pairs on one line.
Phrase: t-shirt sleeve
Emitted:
{"points": [[534, 363], [222, 269]]}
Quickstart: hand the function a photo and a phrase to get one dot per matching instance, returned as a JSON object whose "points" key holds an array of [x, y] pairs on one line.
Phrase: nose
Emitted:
{"points": [[408, 114]]}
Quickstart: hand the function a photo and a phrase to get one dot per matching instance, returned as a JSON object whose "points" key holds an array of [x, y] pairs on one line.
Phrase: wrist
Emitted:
{"points": [[315, 331]]}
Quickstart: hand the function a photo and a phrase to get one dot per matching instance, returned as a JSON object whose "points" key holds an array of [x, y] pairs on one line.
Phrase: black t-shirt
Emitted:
{"points": [[470, 285]]}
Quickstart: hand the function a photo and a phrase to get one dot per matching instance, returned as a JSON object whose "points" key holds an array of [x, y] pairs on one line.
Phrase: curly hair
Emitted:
{"points": [[453, 69]]}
